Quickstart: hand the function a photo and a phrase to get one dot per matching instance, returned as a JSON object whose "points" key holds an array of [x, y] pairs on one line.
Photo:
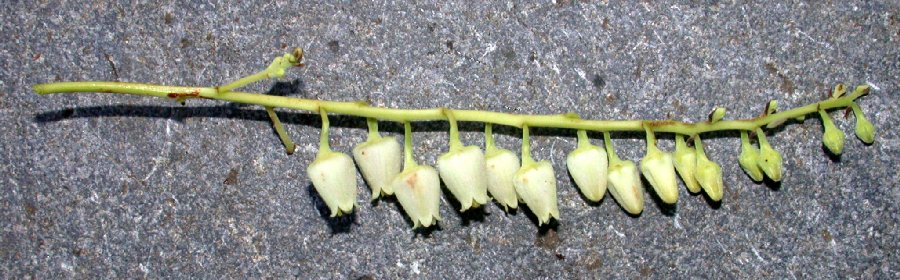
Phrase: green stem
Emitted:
{"points": [[373, 129], [489, 138], [324, 146], [610, 151], [698, 145], [526, 146], [761, 138], [745, 139], [261, 75], [279, 128], [409, 162], [411, 115], [583, 140], [455, 143], [651, 139]]}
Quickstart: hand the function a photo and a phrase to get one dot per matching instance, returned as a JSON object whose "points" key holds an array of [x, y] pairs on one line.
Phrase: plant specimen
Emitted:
{"points": [[471, 173]]}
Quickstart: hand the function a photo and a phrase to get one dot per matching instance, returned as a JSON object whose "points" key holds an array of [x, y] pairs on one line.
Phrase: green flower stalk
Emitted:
{"points": [[501, 165], [588, 166], [833, 138], [659, 169], [749, 158], [471, 174], [709, 173], [686, 164], [463, 170], [865, 131], [625, 183], [769, 159], [535, 184], [379, 160], [418, 187], [333, 175]]}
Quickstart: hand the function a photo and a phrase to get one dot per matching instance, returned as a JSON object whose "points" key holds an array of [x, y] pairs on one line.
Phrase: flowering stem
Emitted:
{"points": [[410, 115], [324, 146], [610, 151], [526, 147], [373, 129], [455, 143], [489, 145], [651, 140], [698, 144], [279, 128], [583, 140], [409, 162]]}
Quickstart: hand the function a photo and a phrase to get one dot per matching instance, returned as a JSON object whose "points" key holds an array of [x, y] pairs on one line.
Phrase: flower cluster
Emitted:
{"points": [[470, 174]]}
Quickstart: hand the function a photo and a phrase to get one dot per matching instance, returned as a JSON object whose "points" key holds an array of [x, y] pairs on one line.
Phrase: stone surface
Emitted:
{"points": [[112, 186]]}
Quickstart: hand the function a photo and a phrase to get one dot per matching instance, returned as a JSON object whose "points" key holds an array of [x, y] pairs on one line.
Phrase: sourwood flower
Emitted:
{"points": [[333, 175], [659, 169], [686, 164], [379, 160], [624, 181], [749, 158], [535, 184], [833, 138], [417, 187], [709, 173], [865, 131], [501, 166], [463, 170], [588, 166], [769, 159]]}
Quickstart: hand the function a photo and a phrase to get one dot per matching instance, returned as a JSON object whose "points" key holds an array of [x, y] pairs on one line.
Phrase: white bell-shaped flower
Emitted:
{"points": [[501, 166], [334, 178], [535, 184], [333, 175], [624, 181], [588, 166], [659, 169], [464, 173], [379, 160], [418, 189]]}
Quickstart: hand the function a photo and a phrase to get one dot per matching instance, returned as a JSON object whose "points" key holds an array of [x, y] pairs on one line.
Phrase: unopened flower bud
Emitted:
{"points": [[769, 159], [535, 183], [379, 161], [334, 178], [686, 164], [588, 166], [659, 169], [418, 189], [833, 138], [865, 131], [501, 167], [625, 186], [463, 172], [709, 173], [749, 158]]}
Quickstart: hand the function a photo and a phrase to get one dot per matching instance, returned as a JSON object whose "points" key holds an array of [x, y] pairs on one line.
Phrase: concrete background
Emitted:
{"points": [[107, 186]]}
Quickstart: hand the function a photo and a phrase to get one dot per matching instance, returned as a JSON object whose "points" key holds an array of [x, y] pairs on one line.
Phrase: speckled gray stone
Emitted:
{"points": [[113, 186]]}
